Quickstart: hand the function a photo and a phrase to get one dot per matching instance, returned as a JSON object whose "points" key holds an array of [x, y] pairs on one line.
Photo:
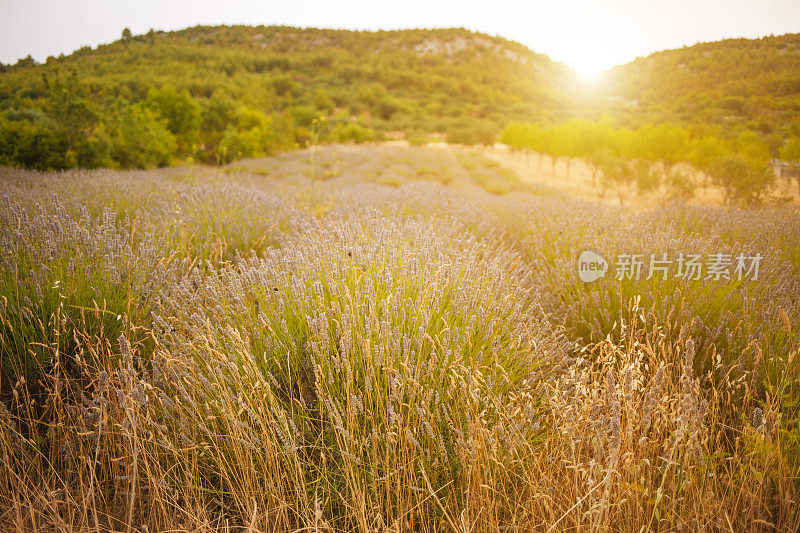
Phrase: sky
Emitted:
{"points": [[588, 35]]}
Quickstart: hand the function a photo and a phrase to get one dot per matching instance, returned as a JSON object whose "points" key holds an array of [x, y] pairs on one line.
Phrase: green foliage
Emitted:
{"points": [[452, 81], [31, 144], [252, 134], [735, 83], [791, 154], [791, 151], [138, 137], [618, 174], [304, 115], [703, 151], [388, 106], [94, 151], [666, 143], [680, 187], [351, 132], [416, 137], [647, 179], [180, 110], [521, 135], [625, 156], [472, 132], [428, 80], [70, 108], [217, 112], [752, 148], [741, 180]]}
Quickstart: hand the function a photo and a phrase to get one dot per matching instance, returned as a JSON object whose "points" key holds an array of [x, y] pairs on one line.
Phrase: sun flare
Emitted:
{"points": [[589, 63]]}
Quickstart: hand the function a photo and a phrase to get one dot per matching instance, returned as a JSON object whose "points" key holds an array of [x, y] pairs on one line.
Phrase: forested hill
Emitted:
{"points": [[748, 83], [215, 94], [366, 83]]}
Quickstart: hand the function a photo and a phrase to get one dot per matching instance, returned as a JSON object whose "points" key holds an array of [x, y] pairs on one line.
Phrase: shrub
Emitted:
{"points": [[472, 133], [138, 138], [253, 135], [31, 145], [180, 110], [352, 131]]}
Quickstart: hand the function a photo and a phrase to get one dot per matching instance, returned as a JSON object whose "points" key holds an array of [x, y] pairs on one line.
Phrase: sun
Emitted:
{"points": [[588, 63], [588, 70]]}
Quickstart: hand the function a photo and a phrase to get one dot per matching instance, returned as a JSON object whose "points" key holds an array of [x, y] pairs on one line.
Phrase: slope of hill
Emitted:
{"points": [[444, 70], [749, 83], [220, 93], [414, 81]]}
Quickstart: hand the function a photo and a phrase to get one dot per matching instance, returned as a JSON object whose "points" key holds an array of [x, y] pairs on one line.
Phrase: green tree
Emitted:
{"points": [[647, 178], [95, 150], [667, 143], [138, 137], [790, 152], [523, 136], [182, 112], [573, 139], [25, 62], [557, 143], [31, 145], [593, 137], [742, 181], [513, 135], [617, 174], [388, 106], [679, 187], [703, 152], [253, 134], [752, 148], [304, 115], [218, 112], [70, 108]]}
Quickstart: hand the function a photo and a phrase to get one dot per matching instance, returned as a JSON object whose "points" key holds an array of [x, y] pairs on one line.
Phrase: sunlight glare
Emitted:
{"points": [[589, 64]]}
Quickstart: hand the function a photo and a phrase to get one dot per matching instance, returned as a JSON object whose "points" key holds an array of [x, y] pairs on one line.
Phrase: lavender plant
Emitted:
{"points": [[196, 350]]}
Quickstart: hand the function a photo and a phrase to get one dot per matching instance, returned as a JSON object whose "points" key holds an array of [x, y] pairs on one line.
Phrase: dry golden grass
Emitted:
{"points": [[383, 339]]}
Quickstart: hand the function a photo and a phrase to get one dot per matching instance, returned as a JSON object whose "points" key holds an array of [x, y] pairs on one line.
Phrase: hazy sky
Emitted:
{"points": [[589, 35]]}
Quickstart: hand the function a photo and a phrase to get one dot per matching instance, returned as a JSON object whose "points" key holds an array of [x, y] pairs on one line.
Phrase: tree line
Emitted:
{"points": [[641, 160], [70, 128]]}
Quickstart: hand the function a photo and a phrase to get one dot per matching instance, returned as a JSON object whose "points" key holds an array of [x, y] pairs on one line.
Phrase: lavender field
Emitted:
{"points": [[382, 338]]}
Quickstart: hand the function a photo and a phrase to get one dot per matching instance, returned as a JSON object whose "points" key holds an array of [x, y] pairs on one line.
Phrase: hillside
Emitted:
{"points": [[445, 73], [412, 81], [747, 83], [217, 94]]}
